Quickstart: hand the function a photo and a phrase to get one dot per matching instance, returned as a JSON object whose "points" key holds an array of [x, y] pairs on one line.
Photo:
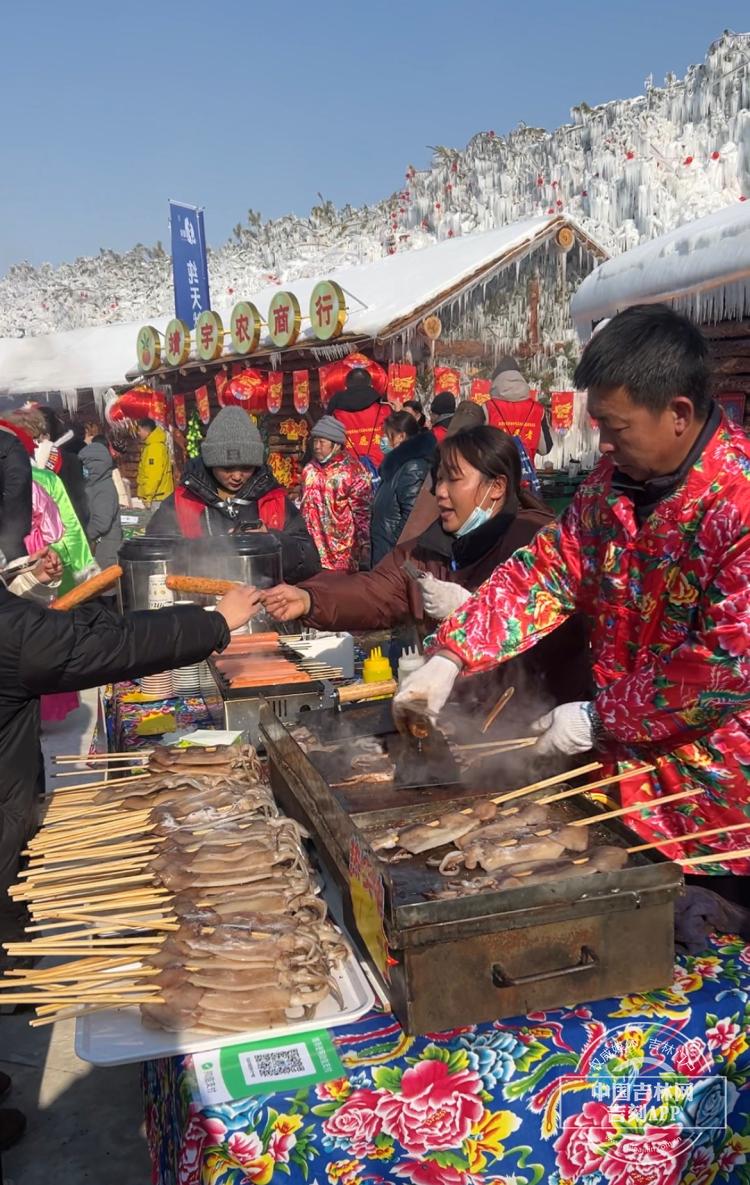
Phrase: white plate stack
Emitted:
{"points": [[158, 686], [186, 680]]}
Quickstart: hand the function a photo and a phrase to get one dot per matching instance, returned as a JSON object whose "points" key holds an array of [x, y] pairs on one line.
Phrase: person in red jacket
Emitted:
{"points": [[654, 551], [230, 488], [512, 408], [359, 408], [442, 411]]}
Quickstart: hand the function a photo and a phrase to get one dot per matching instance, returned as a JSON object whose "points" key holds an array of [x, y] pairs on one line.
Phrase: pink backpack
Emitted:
{"points": [[46, 524]]}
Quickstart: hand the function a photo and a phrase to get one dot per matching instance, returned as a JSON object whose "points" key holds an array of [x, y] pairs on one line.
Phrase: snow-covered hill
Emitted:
{"points": [[628, 170]]}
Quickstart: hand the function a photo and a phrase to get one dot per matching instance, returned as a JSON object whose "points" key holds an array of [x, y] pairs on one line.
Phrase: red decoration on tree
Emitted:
{"points": [[629, 155], [540, 180], [688, 160], [715, 155]]}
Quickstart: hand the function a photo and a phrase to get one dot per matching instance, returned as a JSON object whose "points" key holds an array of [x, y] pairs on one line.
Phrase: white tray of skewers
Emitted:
{"points": [[116, 1037]]}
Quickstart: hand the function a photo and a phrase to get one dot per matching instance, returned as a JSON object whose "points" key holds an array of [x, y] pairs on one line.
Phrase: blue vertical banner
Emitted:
{"points": [[189, 262]]}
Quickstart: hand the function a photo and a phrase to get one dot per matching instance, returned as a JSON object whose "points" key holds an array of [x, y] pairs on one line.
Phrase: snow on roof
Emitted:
{"points": [[383, 298], [702, 268]]}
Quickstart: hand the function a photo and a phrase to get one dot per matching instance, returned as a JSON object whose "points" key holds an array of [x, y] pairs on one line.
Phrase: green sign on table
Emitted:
{"points": [[265, 1067]]}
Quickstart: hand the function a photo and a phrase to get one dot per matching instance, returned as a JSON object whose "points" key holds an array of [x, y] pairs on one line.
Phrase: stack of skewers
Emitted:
{"points": [[175, 885], [517, 842]]}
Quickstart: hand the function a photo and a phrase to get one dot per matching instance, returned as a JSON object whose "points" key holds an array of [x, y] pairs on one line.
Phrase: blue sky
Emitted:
{"points": [[111, 108]]}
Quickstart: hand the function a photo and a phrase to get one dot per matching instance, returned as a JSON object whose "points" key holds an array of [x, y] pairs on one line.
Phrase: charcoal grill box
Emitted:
{"points": [[484, 956]]}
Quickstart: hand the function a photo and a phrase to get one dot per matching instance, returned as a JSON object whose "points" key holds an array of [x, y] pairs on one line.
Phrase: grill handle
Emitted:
{"points": [[501, 979]]}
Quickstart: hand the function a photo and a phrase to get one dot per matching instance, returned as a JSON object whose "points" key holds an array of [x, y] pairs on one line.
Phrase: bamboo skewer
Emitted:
{"points": [[642, 769], [119, 754], [647, 804], [716, 857], [108, 783], [688, 837], [553, 781], [509, 743], [495, 712]]}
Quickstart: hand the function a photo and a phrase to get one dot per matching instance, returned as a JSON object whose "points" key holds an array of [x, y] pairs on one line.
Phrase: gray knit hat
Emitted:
{"points": [[329, 428], [232, 439]]}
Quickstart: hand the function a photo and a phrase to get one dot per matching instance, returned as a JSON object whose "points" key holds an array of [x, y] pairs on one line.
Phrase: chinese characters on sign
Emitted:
{"points": [[301, 391], [245, 326], [177, 343], [209, 336], [189, 263], [148, 346], [327, 310], [447, 379], [202, 404], [284, 319], [275, 391], [479, 392]]}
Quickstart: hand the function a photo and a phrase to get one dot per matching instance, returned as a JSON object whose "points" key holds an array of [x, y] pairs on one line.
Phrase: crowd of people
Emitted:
{"points": [[628, 615]]}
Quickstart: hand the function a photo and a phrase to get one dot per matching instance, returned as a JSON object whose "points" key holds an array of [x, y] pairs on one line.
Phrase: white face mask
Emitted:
{"points": [[477, 518]]}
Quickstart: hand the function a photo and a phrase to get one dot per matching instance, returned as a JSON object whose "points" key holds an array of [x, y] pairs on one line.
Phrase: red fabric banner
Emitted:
{"points": [[275, 392], [180, 415], [561, 410], [402, 382], [447, 379], [220, 380], [301, 389], [480, 390], [201, 402]]}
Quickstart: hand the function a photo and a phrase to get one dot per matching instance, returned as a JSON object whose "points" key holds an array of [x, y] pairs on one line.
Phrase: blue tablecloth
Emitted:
{"points": [[644, 1090]]}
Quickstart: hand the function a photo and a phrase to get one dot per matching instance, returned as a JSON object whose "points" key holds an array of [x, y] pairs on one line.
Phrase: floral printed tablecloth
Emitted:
{"points": [[644, 1090]]}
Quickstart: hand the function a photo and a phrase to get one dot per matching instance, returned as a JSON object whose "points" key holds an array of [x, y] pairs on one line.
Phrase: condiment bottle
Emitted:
{"points": [[376, 667]]}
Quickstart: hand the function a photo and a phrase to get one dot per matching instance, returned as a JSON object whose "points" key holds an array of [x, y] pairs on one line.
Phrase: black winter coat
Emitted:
{"points": [[402, 475], [43, 651], [299, 555], [15, 496], [72, 476]]}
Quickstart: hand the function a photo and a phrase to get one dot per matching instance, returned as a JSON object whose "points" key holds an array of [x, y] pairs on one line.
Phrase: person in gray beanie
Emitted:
{"points": [[336, 499], [229, 489]]}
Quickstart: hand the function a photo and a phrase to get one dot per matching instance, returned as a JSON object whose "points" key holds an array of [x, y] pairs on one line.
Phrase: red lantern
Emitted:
{"points": [[248, 389], [333, 377], [137, 403]]}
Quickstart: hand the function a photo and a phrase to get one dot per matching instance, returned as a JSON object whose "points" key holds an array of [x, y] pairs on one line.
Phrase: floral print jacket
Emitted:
{"points": [[336, 500], [669, 608]]}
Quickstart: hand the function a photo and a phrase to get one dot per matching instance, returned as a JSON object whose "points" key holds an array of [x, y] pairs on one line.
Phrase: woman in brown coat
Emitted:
{"points": [[483, 517]]}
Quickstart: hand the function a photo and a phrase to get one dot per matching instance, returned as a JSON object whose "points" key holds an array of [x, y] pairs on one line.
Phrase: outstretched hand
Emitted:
{"points": [[239, 605], [285, 603]]}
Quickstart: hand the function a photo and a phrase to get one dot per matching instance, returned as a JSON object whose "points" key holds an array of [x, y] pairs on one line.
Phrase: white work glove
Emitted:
{"points": [[441, 598], [567, 729], [426, 691]]}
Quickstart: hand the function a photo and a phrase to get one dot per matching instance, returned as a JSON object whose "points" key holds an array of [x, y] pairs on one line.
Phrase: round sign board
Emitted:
{"points": [[148, 346], [432, 327], [328, 310], [245, 326], [209, 336], [284, 319], [177, 342]]}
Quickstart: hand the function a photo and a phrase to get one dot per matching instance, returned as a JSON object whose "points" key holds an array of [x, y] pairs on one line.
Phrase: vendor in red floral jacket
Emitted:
{"points": [[655, 551], [230, 488], [336, 499]]}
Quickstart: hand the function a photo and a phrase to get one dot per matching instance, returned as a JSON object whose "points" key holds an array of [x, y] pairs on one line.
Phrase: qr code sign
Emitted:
{"points": [[291, 1061]]}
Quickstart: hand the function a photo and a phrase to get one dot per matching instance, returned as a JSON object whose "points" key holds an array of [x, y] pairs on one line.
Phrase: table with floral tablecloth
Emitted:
{"points": [[644, 1090]]}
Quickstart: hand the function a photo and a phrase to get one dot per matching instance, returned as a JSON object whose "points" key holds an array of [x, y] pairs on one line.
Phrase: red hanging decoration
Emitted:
{"points": [[561, 410], [333, 377], [201, 402], [301, 390], [180, 414], [248, 389], [138, 402], [479, 391], [275, 395], [402, 381], [447, 379]]}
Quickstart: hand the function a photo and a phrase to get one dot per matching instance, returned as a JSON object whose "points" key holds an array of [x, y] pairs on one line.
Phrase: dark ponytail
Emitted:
{"points": [[401, 421], [494, 454]]}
